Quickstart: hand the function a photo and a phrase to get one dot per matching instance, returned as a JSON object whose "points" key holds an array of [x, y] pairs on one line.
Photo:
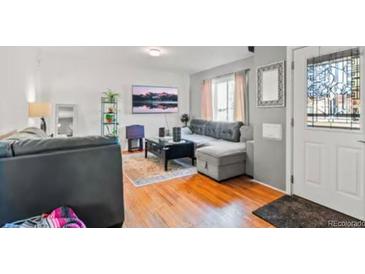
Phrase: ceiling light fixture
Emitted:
{"points": [[155, 52]]}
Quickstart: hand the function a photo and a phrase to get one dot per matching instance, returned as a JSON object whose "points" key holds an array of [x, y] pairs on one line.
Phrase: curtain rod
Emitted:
{"points": [[231, 73]]}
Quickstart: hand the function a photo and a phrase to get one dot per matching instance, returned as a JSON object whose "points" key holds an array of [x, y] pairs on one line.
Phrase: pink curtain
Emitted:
{"points": [[240, 92], [206, 100]]}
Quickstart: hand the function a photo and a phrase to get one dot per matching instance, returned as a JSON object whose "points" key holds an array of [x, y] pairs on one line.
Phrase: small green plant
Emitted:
{"points": [[109, 117], [111, 95]]}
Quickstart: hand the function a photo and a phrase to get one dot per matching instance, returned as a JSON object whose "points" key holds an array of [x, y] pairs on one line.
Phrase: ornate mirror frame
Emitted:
{"points": [[271, 85]]}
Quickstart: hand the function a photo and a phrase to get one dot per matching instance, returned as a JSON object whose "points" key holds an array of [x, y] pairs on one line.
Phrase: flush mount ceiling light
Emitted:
{"points": [[154, 52]]}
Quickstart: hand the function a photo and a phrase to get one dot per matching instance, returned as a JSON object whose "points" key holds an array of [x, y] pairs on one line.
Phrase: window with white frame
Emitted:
{"points": [[223, 98]]}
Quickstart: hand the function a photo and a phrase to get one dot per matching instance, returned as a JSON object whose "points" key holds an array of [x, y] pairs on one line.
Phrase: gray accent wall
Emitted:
{"points": [[269, 155]]}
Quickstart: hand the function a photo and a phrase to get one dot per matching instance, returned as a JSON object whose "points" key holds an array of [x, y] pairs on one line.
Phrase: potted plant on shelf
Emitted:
{"points": [[185, 119], [109, 117], [111, 96]]}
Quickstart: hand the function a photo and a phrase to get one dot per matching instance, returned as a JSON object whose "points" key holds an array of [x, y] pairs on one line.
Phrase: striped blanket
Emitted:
{"points": [[62, 217]]}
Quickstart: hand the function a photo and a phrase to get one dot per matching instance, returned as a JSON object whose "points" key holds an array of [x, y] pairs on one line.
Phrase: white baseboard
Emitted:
{"points": [[269, 186]]}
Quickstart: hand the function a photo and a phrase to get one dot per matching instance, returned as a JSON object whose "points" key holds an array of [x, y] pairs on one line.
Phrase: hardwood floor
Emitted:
{"points": [[196, 201]]}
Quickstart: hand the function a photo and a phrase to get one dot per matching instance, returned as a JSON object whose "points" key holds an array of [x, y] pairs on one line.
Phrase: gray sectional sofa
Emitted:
{"points": [[38, 175], [223, 149]]}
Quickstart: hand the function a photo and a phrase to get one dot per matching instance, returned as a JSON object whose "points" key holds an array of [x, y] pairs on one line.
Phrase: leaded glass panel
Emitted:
{"points": [[333, 90]]}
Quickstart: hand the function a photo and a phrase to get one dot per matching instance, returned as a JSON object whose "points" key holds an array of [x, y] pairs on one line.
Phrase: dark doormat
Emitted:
{"points": [[294, 212]]}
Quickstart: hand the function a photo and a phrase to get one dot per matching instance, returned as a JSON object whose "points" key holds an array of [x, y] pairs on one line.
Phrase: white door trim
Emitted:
{"points": [[289, 116]]}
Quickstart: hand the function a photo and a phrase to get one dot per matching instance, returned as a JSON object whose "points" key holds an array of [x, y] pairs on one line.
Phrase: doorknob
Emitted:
{"points": [[362, 141]]}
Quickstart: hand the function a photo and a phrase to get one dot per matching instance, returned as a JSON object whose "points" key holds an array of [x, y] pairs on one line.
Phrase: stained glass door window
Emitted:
{"points": [[333, 90]]}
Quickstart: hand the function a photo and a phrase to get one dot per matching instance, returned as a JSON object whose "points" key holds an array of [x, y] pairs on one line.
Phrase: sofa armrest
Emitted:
{"points": [[249, 157]]}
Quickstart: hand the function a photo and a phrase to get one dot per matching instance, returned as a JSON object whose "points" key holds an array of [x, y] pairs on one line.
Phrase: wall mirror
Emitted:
{"points": [[66, 120], [271, 85]]}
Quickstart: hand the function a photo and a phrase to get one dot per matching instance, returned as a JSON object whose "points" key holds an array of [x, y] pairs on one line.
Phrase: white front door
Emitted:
{"points": [[328, 125]]}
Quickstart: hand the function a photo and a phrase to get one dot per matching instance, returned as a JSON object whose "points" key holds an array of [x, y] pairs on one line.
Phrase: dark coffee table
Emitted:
{"points": [[168, 150]]}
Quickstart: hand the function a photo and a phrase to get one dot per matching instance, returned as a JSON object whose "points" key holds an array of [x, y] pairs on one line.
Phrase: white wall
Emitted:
{"points": [[81, 81], [18, 86]]}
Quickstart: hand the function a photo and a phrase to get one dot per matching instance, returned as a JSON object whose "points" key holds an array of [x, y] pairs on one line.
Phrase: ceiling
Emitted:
{"points": [[180, 59]]}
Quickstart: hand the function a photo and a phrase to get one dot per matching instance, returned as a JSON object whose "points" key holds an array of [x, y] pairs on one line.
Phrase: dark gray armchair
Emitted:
{"points": [[84, 173]]}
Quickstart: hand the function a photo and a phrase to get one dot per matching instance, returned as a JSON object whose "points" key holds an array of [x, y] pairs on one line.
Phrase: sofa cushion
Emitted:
{"points": [[199, 140], [5, 149], [212, 129], [230, 131], [222, 153], [197, 126], [35, 146]]}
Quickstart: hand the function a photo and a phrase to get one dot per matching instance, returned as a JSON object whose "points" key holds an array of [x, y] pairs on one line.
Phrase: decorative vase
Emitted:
{"points": [[161, 132], [176, 134]]}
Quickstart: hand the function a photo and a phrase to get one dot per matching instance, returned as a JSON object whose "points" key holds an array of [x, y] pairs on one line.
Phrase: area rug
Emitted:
{"points": [[295, 212], [141, 171]]}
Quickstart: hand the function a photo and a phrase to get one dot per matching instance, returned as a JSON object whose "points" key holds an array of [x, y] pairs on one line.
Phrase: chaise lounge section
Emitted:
{"points": [[223, 149]]}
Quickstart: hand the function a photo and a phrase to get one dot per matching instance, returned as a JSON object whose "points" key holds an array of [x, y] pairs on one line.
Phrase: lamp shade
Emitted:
{"points": [[39, 109]]}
